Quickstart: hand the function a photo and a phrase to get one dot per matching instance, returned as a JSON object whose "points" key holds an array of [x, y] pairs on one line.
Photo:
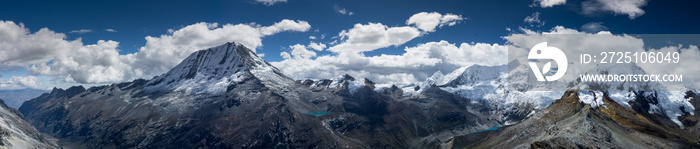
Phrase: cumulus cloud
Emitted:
{"points": [[80, 31], [342, 10], [427, 22], [285, 25], [300, 51], [96, 63], [549, 3], [632, 8], [373, 36], [110, 30], [534, 20], [556, 30], [270, 2], [17, 82], [48, 53], [593, 27], [19, 47], [317, 46], [285, 55]]}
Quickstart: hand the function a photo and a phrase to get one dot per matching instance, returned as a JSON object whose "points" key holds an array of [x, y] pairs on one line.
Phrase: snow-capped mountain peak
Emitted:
{"points": [[472, 75], [213, 70], [344, 81], [475, 75]]}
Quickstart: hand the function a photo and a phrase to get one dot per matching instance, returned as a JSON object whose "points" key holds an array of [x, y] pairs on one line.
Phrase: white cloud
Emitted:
{"points": [[373, 36], [527, 31], [285, 55], [97, 63], [632, 8], [270, 2], [80, 31], [427, 22], [450, 19], [285, 25], [18, 47], [300, 52], [468, 54], [593, 27], [550, 3], [17, 82], [534, 20], [555, 30], [342, 10], [48, 53], [317, 46], [110, 30], [312, 37]]}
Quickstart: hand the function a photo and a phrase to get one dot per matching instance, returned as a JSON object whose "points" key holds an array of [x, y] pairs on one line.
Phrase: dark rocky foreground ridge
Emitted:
{"points": [[227, 97], [569, 123]]}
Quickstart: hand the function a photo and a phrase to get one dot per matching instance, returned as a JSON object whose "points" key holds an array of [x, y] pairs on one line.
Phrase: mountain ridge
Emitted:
{"points": [[570, 123], [214, 69], [253, 105], [265, 110]]}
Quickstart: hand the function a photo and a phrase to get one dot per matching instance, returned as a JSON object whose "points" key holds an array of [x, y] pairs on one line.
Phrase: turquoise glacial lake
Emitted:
{"points": [[492, 128], [318, 113]]}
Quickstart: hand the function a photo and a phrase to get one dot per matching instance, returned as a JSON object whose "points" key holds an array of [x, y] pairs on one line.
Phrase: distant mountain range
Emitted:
{"points": [[15, 98], [228, 97]]}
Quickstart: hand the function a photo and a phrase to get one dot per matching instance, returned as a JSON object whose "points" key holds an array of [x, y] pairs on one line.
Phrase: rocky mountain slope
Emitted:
{"points": [[17, 133], [570, 123]]}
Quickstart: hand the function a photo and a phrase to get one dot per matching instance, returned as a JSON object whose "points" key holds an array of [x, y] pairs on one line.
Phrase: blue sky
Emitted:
{"points": [[482, 22]]}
